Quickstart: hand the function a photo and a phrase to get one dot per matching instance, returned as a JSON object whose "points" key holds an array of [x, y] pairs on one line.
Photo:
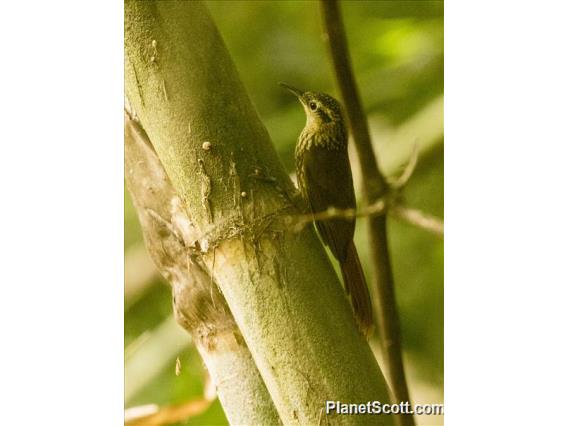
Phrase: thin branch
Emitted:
{"points": [[300, 221], [398, 210], [418, 218], [403, 179], [375, 186]]}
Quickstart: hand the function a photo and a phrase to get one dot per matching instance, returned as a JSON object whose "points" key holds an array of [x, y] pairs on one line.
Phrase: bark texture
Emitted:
{"points": [[278, 284], [198, 306]]}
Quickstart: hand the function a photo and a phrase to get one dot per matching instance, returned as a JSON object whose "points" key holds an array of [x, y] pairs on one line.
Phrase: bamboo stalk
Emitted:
{"points": [[279, 285], [198, 305]]}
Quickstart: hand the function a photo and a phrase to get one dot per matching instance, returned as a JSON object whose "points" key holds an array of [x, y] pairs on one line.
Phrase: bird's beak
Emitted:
{"points": [[292, 89]]}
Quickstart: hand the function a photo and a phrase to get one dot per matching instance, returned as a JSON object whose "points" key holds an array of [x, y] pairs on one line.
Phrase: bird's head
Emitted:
{"points": [[320, 108]]}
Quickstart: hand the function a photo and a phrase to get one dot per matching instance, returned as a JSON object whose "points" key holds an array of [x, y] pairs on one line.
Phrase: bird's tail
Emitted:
{"points": [[356, 286]]}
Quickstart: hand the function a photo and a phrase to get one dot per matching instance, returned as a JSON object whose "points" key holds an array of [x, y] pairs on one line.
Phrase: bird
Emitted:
{"points": [[325, 181]]}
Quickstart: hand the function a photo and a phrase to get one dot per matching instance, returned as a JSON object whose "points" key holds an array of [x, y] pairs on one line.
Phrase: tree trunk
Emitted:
{"points": [[278, 284]]}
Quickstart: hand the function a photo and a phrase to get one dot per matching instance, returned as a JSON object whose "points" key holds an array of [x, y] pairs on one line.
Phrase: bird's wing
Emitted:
{"points": [[329, 183]]}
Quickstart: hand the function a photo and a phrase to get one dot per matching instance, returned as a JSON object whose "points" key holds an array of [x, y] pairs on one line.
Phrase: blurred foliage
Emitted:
{"points": [[397, 52]]}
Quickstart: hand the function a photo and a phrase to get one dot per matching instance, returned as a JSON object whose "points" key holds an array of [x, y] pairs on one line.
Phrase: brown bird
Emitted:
{"points": [[325, 180]]}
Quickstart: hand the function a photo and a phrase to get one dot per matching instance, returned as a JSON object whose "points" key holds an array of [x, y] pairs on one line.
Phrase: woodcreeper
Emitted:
{"points": [[325, 180]]}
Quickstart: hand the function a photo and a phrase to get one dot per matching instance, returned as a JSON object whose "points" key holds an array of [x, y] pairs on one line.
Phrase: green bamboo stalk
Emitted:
{"points": [[198, 305], [279, 285]]}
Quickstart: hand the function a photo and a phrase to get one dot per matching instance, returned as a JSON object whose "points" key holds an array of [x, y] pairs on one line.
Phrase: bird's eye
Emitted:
{"points": [[313, 106]]}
